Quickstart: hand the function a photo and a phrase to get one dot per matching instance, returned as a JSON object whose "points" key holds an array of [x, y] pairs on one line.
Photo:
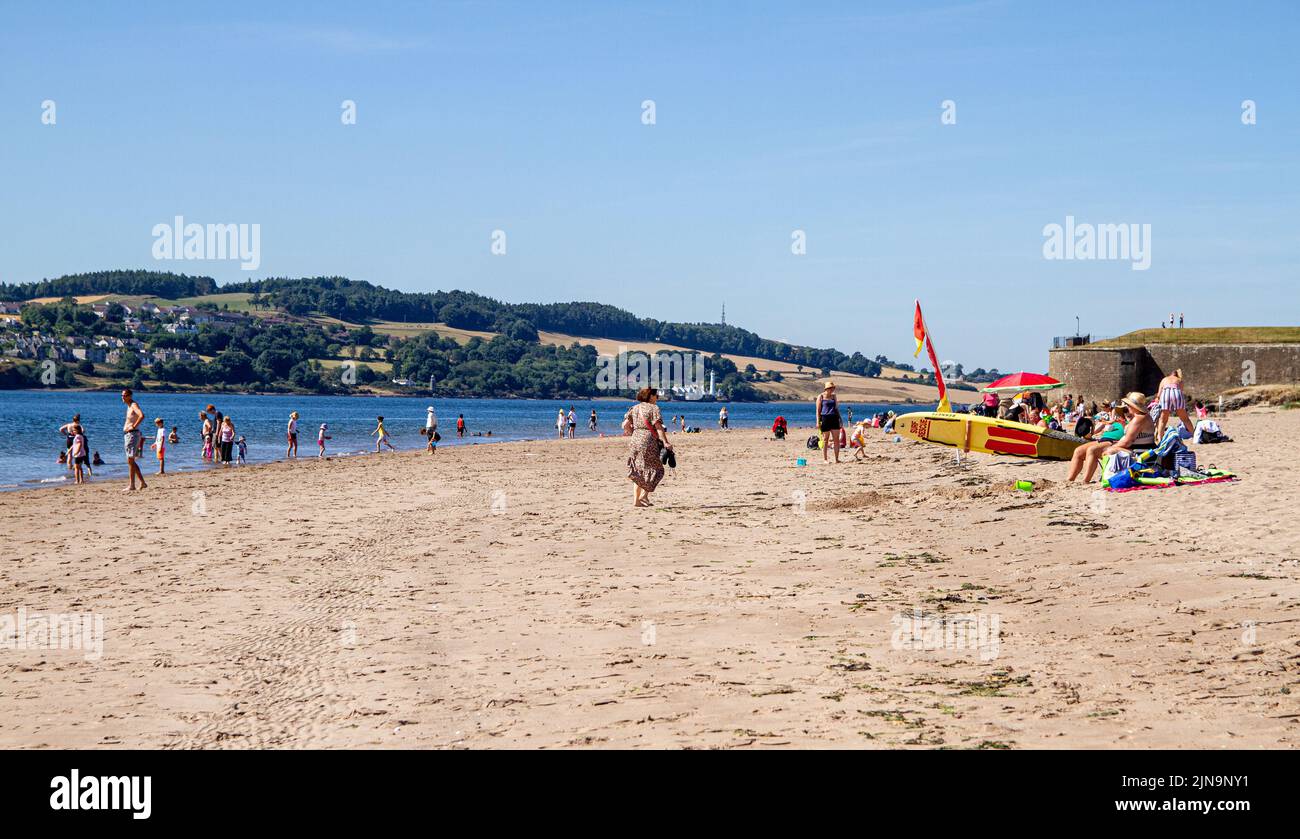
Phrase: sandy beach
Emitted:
{"points": [[509, 596]]}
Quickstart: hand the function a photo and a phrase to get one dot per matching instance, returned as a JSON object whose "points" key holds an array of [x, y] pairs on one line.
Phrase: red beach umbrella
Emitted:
{"points": [[1017, 382]]}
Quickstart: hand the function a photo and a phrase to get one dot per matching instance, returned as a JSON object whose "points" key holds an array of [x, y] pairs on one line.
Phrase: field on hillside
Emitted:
{"points": [[796, 385], [376, 364], [402, 329], [85, 299], [235, 301]]}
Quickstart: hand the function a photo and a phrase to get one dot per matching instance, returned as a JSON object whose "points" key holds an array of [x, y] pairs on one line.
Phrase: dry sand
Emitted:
{"points": [[508, 595]]}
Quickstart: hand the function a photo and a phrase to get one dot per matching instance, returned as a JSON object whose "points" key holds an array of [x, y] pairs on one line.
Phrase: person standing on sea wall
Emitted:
{"points": [[133, 439]]}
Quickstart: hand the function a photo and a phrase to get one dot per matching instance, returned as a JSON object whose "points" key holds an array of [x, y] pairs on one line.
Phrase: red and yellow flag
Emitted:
{"points": [[922, 336]]}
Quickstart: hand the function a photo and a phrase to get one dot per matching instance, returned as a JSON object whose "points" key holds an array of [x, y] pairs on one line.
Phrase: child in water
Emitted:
{"points": [[381, 435], [321, 437], [160, 445], [77, 454], [243, 451]]}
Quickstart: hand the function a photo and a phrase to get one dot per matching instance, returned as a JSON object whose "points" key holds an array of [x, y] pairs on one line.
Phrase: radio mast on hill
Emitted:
{"points": [[724, 313]]}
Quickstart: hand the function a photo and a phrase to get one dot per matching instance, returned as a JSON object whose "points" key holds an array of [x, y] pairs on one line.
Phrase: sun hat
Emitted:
{"points": [[430, 408], [1136, 400], [324, 425], [828, 384]]}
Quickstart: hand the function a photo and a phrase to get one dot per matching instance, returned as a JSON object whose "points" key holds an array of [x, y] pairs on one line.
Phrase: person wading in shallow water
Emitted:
{"points": [[646, 425], [133, 439], [291, 433]]}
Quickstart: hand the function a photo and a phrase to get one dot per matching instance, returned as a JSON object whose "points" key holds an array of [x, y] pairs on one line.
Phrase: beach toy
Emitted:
{"points": [[801, 462], [897, 439], [1025, 486]]}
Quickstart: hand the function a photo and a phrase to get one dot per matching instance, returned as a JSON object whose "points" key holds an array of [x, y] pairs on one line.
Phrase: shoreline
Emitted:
{"points": [[508, 420], [444, 445]]}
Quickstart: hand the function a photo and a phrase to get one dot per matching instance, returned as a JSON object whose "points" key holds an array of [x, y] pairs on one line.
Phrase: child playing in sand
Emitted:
{"points": [[321, 437], [160, 445], [243, 451], [381, 436]]}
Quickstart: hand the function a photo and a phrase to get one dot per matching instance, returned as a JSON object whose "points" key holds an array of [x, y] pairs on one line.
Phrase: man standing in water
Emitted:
{"points": [[132, 438]]}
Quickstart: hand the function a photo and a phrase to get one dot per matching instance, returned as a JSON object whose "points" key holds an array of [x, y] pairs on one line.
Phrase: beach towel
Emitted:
{"points": [[1193, 479]]}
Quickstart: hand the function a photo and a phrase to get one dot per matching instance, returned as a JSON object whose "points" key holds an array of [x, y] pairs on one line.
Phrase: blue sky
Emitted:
{"points": [[770, 118]]}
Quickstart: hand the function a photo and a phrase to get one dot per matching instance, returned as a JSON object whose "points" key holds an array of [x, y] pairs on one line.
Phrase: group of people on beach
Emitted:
{"points": [[220, 443], [78, 458], [1134, 424]]}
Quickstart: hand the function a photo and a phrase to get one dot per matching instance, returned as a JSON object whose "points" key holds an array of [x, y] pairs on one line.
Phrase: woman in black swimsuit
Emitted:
{"points": [[828, 420]]}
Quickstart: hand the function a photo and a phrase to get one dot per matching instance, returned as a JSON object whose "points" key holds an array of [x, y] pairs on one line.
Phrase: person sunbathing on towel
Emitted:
{"points": [[1087, 456], [1140, 432]]}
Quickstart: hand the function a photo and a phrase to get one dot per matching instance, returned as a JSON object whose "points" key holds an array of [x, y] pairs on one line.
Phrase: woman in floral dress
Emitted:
{"points": [[646, 425]]}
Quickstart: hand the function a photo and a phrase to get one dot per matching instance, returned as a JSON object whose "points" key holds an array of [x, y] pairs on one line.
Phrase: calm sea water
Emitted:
{"points": [[30, 441]]}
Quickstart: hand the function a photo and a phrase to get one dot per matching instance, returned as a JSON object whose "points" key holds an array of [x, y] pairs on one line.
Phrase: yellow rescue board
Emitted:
{"points": [[989, 435]]}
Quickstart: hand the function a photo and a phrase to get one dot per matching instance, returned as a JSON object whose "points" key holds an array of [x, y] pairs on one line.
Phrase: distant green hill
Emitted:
{"points": [[155, 283], [356, 301]]}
